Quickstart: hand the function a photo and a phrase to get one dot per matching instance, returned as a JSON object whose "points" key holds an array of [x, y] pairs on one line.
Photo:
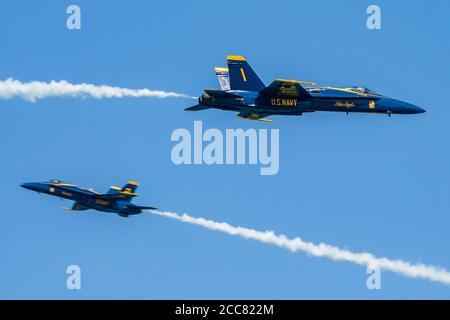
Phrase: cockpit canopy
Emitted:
{"points": [[362, 90], [56, 181]]}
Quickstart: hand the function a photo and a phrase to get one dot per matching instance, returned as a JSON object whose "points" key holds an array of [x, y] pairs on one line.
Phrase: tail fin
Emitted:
{"points": [[128, 190], [114, 190], [242, 76], [224, 79], [130, 187]]}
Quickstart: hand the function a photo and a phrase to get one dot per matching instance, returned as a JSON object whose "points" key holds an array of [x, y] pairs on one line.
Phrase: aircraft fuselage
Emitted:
{"points": [[322, 99], [85, 199]]}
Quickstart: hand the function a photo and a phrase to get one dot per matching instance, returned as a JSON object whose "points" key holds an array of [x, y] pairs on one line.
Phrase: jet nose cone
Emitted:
{"points": [[413, 109], [419, 109], [30, 186], [26, 185]]}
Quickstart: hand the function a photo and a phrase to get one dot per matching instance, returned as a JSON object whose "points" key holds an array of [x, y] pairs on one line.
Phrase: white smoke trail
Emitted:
{"points": [[404, 268], [35, 90]]}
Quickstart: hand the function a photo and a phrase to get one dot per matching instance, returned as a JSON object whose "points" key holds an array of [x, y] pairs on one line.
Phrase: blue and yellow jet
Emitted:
{"points": [[244, 92], [116, 200]]}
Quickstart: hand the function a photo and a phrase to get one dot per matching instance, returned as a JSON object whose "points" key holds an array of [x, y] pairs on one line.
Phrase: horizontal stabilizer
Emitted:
{"points": [[221, 94], [146, 208], [197, 107]]}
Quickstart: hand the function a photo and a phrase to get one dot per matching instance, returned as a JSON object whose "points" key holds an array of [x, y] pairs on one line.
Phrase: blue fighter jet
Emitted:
{"points": [[116, 200], [243, 91]]}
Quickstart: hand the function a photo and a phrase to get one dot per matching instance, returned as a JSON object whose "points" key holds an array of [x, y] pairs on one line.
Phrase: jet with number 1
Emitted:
{"points": [[243, 91], [116, 200]]}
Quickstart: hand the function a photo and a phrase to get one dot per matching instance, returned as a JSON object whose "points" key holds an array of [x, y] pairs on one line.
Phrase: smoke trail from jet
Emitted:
{"points": [[404, 268], [35, 90]]}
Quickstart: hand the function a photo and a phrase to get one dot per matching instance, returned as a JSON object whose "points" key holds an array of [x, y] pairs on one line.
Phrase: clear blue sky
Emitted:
{"points": [[361, 182]]}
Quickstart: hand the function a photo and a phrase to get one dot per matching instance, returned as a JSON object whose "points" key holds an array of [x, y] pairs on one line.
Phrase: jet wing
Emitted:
{"points": [[140, 207], [254, 116], [76, 207]]}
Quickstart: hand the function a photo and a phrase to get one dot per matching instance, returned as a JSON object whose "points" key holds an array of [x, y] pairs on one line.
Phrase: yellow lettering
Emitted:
{"points": [[284, 102]]}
